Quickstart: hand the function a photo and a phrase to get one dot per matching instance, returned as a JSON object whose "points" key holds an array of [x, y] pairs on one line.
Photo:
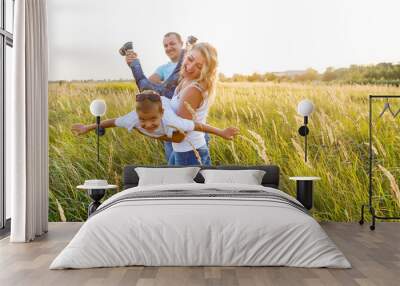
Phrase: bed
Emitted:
{"points": [[198, 224]]}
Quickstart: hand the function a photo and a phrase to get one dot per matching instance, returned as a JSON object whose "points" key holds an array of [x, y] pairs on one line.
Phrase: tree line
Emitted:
{"points": [[382, 73]]}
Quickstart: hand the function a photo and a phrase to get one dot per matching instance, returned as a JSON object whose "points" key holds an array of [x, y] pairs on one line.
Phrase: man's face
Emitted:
{"points": [[172, 47], [151, 119]]}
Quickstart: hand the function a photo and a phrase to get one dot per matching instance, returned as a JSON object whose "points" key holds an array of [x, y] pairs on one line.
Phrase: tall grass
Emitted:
{"points": [[266, 116]]}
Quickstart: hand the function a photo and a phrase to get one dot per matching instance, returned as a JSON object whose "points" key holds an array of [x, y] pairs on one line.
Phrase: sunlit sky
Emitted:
{"points": [[250, 36]]}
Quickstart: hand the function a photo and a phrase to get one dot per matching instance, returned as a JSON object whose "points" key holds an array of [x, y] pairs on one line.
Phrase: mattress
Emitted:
{"points": [[201, 225]]}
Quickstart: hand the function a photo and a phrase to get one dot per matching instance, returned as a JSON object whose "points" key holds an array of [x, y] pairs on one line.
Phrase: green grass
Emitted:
{"points": [[266, 116]]}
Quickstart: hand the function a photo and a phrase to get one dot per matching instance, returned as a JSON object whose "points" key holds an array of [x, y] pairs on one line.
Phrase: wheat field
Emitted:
{"points": [[266, 115]]}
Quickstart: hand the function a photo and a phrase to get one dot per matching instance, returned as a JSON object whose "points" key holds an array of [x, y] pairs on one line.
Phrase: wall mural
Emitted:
{"points": [[188, 112]]}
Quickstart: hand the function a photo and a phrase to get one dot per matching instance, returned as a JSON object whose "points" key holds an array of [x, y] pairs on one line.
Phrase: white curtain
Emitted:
{"points": [[27, 123]]}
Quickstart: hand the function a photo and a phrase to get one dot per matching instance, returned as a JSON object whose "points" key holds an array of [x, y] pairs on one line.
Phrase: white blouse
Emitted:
{"points": [[195, 137]]}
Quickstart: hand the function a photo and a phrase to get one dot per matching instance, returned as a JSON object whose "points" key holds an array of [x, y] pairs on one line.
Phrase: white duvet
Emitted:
{"points": [[200, 231]]}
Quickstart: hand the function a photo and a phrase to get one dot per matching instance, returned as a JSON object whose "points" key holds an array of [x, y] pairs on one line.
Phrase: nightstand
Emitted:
{"points": [[96, 189], [304, 190]]}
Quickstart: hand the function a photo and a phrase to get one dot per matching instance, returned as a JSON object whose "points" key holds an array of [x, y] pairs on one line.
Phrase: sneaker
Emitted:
{"points": [[191, 40], [127, 46]]}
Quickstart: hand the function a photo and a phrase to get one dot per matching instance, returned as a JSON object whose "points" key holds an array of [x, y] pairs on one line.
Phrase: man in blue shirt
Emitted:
{"points": [[164, 71], [165, 79]]}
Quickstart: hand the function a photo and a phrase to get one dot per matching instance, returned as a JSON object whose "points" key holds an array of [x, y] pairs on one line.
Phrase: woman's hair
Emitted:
{"points": [[208, 74]]}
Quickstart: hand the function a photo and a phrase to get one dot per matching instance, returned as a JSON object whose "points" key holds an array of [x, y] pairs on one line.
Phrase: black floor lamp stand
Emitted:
{"points": [[369, 206]]}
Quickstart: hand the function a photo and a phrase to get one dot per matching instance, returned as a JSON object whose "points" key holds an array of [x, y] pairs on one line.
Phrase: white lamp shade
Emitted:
{"points": [[305, 107], [98, 107]]}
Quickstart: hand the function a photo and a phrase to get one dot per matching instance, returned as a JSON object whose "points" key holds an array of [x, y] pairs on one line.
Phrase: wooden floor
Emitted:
{"points": [[375, 256]]}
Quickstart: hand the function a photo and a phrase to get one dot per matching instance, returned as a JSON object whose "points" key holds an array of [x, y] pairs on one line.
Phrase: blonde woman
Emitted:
{"points": [[192, 99]]}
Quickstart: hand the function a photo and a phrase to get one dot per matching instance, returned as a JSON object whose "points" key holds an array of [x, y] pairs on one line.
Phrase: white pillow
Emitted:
{"points": [[166, 176], [249, 177]]}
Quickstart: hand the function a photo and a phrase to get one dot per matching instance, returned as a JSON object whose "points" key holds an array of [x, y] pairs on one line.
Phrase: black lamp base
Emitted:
{"points": [[96, 195], [304, 193]]}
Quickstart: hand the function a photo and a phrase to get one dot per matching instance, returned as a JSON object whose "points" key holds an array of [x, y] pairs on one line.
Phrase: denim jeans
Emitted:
{"points": [[168, 150], [166, 88], [168, 147], [207, 137], [189, 158]]}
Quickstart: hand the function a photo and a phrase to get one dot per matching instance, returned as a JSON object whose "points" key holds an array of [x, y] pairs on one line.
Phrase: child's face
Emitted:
{"points": [[151, 119]]}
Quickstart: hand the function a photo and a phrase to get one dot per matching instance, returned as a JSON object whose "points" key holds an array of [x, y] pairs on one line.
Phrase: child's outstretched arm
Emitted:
{"points": [[227, 133], [185, 125], [80, 129]]}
